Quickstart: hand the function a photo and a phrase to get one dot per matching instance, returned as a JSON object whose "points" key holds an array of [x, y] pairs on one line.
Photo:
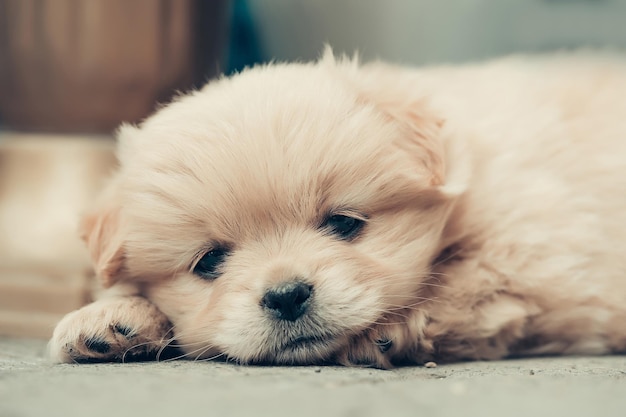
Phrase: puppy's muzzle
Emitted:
{"points": [[288, 300]]}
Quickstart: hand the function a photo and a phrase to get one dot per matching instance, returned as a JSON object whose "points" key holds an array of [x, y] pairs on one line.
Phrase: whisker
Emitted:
{"points": [[410, 297], [425, 283], [185, 354], [203, 352], [395, 313], [211, 358], [430, 284], [388, 323], [449, 256]]}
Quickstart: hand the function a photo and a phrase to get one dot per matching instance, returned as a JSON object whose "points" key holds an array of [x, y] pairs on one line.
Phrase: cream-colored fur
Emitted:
{"points": [[493, 196]]}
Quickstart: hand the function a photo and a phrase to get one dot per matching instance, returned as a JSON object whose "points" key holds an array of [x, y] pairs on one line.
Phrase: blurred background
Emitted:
{"points": [[73, 70]]}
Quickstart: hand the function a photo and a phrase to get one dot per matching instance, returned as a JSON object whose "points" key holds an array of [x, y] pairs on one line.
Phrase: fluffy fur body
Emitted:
{"points": [[493, 198]]}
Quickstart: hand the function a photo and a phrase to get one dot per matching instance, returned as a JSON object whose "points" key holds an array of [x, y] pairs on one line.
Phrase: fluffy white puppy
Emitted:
{"points": [[332, 212]]}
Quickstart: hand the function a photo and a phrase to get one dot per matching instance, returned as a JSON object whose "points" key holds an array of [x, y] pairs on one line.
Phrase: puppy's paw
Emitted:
{"points": [[370, 349], [111, 330]]}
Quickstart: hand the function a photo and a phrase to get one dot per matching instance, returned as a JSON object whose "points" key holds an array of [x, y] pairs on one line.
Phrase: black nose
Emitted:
{"points": [[287, 301]]}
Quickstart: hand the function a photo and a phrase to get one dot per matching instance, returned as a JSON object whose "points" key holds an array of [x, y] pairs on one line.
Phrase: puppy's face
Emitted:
{"points": [[277, 215]]}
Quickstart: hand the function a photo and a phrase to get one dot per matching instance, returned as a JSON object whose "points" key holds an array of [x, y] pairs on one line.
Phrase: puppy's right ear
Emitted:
{"points": [[101, 231]]}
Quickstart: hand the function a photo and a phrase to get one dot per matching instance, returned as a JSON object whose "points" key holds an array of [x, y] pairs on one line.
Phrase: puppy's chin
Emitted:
{"points": [[301, 350]]}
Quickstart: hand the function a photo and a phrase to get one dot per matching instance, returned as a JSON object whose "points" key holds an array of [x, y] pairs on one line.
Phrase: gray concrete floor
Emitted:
{"points": [[30, 386]]}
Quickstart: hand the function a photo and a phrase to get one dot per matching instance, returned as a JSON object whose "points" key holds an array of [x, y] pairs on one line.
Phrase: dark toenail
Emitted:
{"points": [[384, 345], [124, 330], [97, 345]]}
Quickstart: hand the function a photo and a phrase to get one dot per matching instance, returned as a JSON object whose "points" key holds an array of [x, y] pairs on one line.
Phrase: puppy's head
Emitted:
{"points": [[276, 215]]}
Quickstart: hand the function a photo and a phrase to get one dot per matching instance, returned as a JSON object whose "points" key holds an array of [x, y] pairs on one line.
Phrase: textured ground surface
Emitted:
{"points": [[30, 386]]}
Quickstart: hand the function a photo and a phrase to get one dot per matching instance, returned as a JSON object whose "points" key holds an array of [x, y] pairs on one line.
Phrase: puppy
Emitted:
{"points": [[333, 212]]}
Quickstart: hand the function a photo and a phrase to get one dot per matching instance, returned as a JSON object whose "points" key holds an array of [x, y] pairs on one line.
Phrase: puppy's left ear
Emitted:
{"points": [[101, 229], [394, 91]]}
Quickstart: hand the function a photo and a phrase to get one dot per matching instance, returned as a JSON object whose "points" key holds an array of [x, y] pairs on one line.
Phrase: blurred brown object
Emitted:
{"points": [[46, 181], [86, 66]]}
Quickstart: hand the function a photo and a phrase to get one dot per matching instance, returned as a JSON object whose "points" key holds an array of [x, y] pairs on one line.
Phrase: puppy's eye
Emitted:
{"points": [[208, 266], [344, 227]]}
